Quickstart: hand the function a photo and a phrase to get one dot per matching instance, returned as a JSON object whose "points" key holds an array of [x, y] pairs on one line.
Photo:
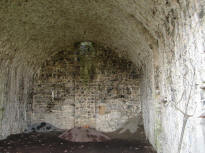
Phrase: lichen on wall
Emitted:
{"points": [[85, 55]]}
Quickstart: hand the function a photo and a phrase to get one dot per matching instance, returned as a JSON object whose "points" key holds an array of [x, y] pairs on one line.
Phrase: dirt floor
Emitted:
{"points": [[50, 143]]}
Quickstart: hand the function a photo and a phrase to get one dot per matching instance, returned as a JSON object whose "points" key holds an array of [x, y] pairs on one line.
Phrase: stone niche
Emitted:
{"points": [[92, 87]]}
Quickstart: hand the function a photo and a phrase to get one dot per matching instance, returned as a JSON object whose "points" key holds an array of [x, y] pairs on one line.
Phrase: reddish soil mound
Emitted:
{"points": [[84, 135]]}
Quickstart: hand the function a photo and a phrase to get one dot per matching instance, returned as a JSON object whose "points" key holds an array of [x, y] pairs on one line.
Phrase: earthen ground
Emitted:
{"points": [[50, 143]]}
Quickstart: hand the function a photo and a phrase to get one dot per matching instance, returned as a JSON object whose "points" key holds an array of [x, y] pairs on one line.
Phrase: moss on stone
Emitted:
{"points": [[87, 62]]}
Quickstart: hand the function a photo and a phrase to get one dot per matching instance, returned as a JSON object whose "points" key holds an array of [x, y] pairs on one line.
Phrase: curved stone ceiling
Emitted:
{"points": [[32, 30]]}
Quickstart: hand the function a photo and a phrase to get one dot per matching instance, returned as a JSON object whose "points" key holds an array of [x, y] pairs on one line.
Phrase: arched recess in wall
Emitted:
{"points": [[88, 86]]}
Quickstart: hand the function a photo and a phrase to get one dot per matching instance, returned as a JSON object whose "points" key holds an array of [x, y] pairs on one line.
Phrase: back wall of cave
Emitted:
{"points": [[87, 87]]}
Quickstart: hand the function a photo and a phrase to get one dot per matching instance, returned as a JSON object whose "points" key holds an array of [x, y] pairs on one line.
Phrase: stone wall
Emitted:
{"points": [[94, 88], [16, 97], [171, 91]]}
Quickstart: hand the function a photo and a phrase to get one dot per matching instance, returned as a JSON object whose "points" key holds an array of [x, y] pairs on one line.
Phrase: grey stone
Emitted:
{"points": [[41, 127]]}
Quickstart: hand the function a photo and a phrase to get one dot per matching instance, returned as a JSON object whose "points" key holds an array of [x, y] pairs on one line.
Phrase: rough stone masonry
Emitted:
{"points": [[87, 88]]}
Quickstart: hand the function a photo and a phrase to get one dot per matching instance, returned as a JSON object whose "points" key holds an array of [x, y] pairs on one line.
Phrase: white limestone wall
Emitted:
{"points": [[173, 112], [15, 99]]}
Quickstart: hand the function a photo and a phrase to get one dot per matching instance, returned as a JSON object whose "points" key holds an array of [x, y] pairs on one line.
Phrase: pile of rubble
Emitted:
{"points": [[80, 134]]}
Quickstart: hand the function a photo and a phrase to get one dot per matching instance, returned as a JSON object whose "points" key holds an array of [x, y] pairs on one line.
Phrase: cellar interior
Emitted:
{"points": [[133, 70]]}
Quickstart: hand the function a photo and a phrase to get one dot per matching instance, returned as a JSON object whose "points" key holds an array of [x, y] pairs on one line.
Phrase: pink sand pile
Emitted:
{"points": [[84, 135]]}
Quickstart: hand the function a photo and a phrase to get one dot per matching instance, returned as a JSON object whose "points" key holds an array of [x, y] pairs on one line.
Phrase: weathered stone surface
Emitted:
{"points": [[15, 100], [97, 89]]}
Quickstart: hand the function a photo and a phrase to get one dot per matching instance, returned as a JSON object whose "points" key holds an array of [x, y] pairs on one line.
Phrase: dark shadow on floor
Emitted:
{"points": [[50, 143]]}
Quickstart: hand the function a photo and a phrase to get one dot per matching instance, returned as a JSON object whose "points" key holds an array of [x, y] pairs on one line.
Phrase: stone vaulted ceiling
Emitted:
{"points": [[32, 30]]}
